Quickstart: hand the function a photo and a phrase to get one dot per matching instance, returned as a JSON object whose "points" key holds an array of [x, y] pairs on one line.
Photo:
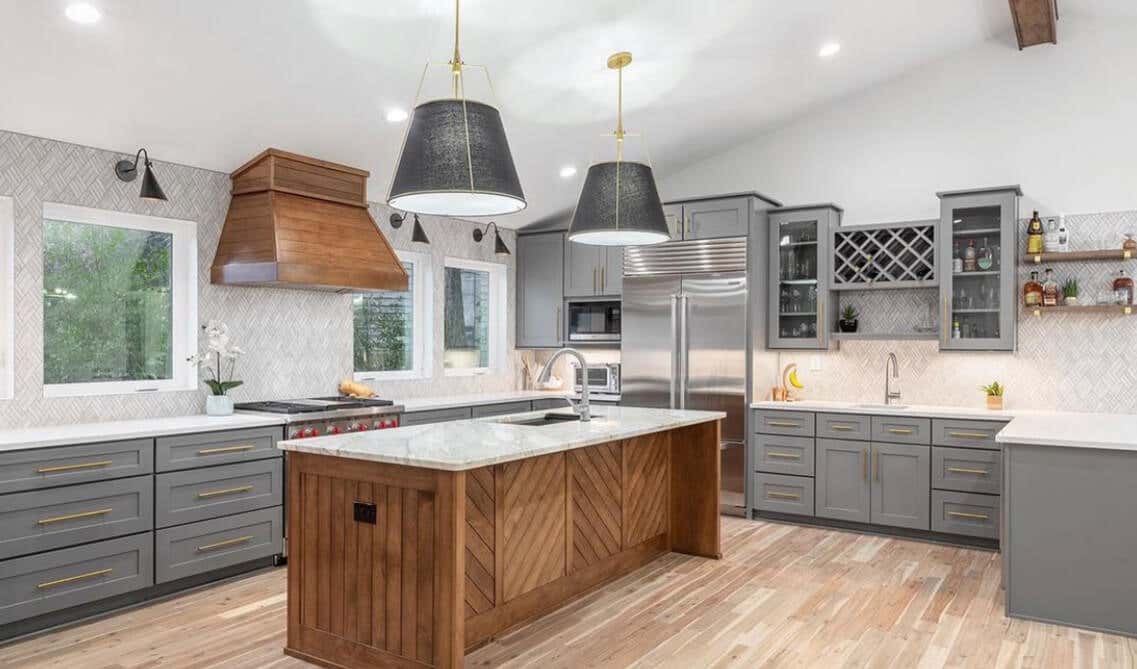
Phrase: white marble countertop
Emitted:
{"points": [[469, 444], [477, 399], [87, 433], [875, 409]]}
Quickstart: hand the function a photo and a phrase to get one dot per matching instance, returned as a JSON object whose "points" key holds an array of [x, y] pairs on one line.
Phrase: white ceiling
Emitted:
{"points": [[212, 82]]}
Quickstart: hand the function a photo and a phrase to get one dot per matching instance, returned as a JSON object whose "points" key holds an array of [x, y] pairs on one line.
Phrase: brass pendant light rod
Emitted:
{"points": [[618, 61], [456, 64]]}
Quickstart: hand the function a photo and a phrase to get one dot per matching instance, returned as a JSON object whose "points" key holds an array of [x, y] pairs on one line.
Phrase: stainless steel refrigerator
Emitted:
{"points": [[684, 340]]}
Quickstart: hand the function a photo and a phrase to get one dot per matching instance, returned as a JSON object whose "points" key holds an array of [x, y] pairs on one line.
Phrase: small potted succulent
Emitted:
{"points": [[848, 321], [994, 395], [1070, 292], [219, 353]]}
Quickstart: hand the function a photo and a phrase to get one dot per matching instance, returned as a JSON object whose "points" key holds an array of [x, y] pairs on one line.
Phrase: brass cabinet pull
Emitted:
{"points": [[781, 495], [864, 464], [72, 579], [782, 423], [876, 465], [900, 430], [821, 321], [226, 491], [841, 428], [73, 516], [226, 449], [222, 544], [965, 470], [945, 326], [969, 435], [603, 281], [973, 516], [69, 468], [785, 456]]}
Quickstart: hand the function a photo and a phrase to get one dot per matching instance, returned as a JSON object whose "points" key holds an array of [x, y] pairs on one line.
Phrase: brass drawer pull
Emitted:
{"points": [[782, 495], [226, 491], [222, 544], [865, 465], [782, 423], [785, 456], [969, 435], [70, 468], [72, 579], [226, 449], [841, 428], [73, 516], [901, 430], [966, 470], [973, 516]]}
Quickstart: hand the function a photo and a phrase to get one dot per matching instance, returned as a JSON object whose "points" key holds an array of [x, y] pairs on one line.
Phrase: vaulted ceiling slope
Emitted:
{"points": [[210, 82]]}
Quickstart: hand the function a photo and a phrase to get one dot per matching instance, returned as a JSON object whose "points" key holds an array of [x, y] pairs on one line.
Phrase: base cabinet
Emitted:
{"points": [[901, 485], [842, 486]]}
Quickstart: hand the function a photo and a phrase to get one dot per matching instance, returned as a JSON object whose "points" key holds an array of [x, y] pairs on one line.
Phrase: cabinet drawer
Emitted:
{"points": [[967, 470], [783, 494], [901, 430], [212, 544], [844, 426], [436, 416], [790, 423], [966, 433], [500, 409], [63, 465], [200, 494], [965, 513], [38, 584], [215, 448], [43, 520], [783, 455], [559, 403]]}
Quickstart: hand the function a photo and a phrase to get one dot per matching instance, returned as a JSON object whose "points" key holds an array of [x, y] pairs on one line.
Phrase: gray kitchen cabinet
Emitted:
{"points": [[708, 219], [612, 278], [540, 290], [199, 547], [901, 485], [435, 416], [800, 257], [979, 306], [967, 514], [592, 270], [200, 494], [674, 215], [65, 465], [842, 483], [553, 403], [501, 409], [187, 451], [783, 494]]}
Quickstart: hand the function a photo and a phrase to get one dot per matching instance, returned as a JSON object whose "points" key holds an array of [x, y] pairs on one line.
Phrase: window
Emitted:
{"points": [[392, 328], [7, 297], [474, 326], [119, 302]]}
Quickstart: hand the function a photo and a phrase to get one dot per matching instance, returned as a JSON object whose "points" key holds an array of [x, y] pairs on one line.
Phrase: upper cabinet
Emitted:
{"points": [[800, 257], [708, 218], [591, 271], [540, 282], [979, 303]]}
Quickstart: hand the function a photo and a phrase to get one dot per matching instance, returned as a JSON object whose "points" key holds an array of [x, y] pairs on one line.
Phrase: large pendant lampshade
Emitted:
{"points": [[455, 159], [619, 204]]}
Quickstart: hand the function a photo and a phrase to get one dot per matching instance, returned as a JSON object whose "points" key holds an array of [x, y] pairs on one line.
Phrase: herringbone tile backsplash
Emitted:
{"points": [[298, 343]]}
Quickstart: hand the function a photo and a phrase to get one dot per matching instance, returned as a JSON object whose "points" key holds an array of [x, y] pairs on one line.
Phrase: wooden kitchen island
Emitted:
{"points": [[410, 547]]}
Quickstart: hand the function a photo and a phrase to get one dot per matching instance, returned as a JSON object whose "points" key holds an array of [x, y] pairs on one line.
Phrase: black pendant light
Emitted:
{"points": [[455, 159], [128, 171], [619, 204], [499, 246]]}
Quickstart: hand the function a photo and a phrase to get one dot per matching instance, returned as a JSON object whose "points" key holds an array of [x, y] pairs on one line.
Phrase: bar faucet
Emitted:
{"points": [[894, 366], [581, 409]]}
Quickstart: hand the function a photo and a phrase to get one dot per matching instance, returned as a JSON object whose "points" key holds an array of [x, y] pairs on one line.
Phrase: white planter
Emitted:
{"points": [[218, 405]]}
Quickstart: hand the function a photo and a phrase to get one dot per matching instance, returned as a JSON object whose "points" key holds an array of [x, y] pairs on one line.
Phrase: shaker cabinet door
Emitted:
{"points": [[842, 485], [582, 269], [708, 219], [540, 290], [901, 485]]}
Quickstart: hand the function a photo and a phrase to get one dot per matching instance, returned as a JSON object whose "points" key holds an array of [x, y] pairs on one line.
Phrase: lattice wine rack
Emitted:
{"points": [[891, 256]]}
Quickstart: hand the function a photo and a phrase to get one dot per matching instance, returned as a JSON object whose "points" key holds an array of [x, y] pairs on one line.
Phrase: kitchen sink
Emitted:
{"points": [[547, 419], [898, 407]]}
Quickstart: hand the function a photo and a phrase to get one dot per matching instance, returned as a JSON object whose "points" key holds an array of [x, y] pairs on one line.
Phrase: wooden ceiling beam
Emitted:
{"points": [[1036, 22]]}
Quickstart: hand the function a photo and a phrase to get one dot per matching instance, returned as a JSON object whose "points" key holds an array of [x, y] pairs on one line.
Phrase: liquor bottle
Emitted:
{"points": [[969, 257], [1032, 291], [1050, 241], [1063, 234], [956, 259], [1049, 290], [955, 329], [985, 260], [1123, 288], [1034, 235]]}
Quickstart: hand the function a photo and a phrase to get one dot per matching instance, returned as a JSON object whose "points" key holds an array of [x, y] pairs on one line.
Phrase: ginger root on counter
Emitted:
{"points": [[353, 389]]}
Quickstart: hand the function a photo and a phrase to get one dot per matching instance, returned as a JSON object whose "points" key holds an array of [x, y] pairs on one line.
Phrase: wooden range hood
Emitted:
{"points": [[299, 222]]}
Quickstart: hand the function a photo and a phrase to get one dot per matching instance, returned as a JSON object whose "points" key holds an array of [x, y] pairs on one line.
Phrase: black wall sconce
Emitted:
{"points": [[127, 171], [499, 246], [418, 235]]}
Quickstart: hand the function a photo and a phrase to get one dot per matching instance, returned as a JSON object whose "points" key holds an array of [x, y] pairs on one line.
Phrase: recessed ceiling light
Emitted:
{"points": [[395, 115], [568, 171], [829, 50], [83, 12]]}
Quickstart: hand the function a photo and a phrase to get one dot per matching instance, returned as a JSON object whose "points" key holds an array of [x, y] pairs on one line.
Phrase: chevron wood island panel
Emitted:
{"points": [[455, 558]]}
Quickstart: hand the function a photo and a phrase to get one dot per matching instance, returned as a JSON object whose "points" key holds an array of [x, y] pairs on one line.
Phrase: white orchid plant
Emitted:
{"points": [[219, 353]]}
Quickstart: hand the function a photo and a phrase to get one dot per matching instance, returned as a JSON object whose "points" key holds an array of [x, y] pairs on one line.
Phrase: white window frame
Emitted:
{"points": [[7, 298], [184, 318], [422, 325], [497, 315]]}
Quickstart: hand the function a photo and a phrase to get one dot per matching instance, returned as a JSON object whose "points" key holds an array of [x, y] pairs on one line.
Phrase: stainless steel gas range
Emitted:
{"points": [[323, 416]]}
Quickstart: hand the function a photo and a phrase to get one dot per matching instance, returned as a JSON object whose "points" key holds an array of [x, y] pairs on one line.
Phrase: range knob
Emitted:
{"points": [[313, 432], [335, 429], [363, 427], [295, 434]]}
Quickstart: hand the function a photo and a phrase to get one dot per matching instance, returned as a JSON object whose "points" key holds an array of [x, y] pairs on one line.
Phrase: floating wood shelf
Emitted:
{"points": [[1119, 309], [1075, 256]]}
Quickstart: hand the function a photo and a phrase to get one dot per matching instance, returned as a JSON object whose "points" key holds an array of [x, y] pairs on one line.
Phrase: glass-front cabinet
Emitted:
{"points": [[799, 276], [978, 246]]}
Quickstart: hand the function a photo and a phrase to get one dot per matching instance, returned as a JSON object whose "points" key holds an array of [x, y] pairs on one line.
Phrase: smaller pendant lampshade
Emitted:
{"points": [[150, 188], [456, 162], [631, 216]]}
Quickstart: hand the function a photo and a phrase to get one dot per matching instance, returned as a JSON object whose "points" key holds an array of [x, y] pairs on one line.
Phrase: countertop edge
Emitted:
{"points": [[147, 428]]}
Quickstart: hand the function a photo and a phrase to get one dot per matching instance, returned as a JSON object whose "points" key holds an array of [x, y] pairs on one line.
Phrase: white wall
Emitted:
{"points": [[1060, 120]]}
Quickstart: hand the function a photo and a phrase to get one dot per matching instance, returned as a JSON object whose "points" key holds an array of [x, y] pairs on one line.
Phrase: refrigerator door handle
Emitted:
{"points": [[683, 352], [671, 400]]}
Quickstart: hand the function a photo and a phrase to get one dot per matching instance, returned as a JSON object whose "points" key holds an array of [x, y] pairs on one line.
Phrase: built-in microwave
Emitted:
{"points": [[596, 322], [602, 379]]}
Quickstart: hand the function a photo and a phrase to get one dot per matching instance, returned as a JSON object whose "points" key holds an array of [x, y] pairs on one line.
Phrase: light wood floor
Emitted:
{"points": [[782, 596]]}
